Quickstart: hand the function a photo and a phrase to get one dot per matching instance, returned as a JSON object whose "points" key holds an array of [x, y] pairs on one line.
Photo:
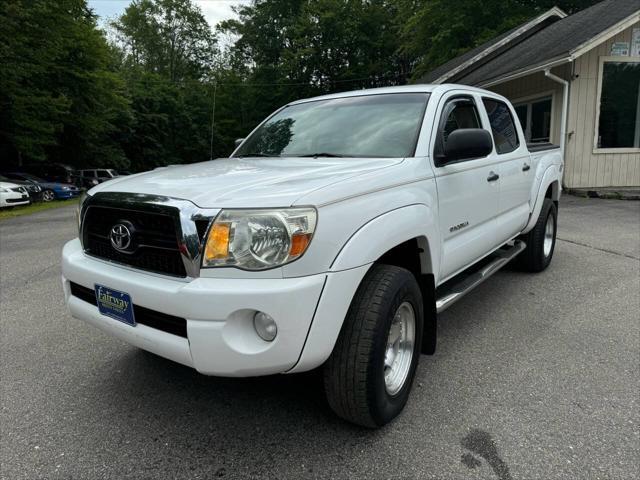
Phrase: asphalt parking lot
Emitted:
{"points": [[536, 377]]}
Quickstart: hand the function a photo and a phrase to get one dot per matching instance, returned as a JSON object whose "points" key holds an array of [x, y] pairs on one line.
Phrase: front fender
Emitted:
{"points": [[389, 230], [351, 264]]}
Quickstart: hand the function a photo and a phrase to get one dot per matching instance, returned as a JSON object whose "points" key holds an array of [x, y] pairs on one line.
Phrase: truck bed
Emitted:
{"points": [[541, 147]]}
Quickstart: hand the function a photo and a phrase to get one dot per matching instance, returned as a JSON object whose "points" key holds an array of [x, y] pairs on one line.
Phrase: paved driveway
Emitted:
{"points": [[536, 377]]}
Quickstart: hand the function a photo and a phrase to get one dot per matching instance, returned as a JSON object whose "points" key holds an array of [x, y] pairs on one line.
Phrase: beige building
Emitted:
{"points": [[574, 81]]}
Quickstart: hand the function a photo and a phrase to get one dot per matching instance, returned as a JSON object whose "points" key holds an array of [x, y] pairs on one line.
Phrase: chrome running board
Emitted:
{"points": [[456, 288]]}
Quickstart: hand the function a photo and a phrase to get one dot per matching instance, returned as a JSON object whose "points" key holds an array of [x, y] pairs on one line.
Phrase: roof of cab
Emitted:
{"points": [[417, 88]]}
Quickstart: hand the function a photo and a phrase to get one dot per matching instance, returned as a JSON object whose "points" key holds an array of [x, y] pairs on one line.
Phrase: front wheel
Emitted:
{"points": [[48, 196], [369, 374], [541, 240]]}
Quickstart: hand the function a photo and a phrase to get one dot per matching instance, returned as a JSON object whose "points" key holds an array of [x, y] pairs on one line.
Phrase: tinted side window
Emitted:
{"points": [[505, 135], [458, 113]]}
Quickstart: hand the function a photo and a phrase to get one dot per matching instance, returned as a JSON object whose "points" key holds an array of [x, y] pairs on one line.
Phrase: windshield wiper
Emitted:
{"points": [[322, 154], [256, 155]]}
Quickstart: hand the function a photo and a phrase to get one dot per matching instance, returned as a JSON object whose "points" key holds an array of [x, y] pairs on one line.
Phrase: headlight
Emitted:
{"points": [[66, 188], [259, 239]]}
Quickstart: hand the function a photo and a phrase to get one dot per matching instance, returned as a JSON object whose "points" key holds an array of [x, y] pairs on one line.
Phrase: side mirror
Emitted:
{"points": [[467, 143], [238, 141]]}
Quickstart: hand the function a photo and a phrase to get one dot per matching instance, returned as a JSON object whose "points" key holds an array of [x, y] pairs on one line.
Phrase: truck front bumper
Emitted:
{"points": [[220, 336]]}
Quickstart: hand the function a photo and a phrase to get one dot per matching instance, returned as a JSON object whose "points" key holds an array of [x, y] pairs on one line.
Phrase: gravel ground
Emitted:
{"points": [[536, 377]]}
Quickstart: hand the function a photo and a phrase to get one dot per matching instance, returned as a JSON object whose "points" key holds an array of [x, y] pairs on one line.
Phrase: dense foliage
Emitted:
{"points": [[147, 95], [60, 96]]}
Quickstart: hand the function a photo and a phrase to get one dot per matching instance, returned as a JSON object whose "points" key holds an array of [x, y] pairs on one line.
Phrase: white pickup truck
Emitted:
{"points": [[332, 237]]}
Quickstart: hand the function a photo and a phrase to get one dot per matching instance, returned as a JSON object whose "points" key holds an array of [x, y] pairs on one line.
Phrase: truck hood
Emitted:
{"points": [[245, 182]]}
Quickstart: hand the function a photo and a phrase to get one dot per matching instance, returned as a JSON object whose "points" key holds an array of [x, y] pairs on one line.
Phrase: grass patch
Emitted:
{"points": [[11, 212]]}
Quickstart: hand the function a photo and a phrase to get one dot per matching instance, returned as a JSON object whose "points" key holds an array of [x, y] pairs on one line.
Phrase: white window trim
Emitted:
{"points": [[601, 62], [539, 97]]}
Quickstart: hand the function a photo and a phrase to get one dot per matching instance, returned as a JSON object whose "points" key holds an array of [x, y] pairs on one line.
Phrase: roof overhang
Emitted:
{"points": [[524, 72], [554, 12], [605, 35], [570, 57]]}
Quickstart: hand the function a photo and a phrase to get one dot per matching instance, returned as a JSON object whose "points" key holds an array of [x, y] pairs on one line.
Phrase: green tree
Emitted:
{"points": [[167, 52], [167, 37], [288, 49], [59, 99]]}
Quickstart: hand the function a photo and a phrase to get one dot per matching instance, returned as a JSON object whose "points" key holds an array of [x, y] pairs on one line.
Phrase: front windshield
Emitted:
{"points": [[365, 126]]}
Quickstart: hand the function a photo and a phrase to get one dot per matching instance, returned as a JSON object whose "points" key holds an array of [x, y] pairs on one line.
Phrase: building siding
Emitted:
{"points": [[584, 167]]}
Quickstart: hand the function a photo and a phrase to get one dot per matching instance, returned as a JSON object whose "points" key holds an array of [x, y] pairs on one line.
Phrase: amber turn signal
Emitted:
{"points": [[299, 243], [218, 242]]}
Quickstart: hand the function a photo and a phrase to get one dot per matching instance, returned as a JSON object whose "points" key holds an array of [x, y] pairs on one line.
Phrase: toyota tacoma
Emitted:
{"points": [[331, 238]]}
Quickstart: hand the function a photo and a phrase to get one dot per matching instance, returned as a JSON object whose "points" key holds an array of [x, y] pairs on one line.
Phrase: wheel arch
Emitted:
{"points": [[549, 187], [553, 192], [411, 228], [402, 238], [403, 242]]}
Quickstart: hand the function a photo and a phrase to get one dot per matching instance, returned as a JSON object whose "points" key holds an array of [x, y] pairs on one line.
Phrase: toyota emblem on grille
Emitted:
{"points": [[120, 237]]}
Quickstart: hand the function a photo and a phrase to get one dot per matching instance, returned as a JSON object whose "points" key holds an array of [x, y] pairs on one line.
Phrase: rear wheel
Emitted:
{"points": [[541, 240], [48, 196], [368, 376]]}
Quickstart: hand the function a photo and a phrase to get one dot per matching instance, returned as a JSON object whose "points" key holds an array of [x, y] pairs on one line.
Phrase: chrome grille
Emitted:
{"points": [[154, 239], [166, 235]]}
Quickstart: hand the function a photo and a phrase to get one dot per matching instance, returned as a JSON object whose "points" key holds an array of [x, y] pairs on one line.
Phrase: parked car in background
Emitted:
{"points": [[99, 174], [50, 190], [86, 182], [12, 195], [34, 190], [52, 172]]}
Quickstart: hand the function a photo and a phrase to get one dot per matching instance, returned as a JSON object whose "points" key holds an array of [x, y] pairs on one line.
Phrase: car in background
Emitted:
{"points": [[50, 190], [99, 174], [86, 182], [12, 195], [33, 189], [52, 172]]}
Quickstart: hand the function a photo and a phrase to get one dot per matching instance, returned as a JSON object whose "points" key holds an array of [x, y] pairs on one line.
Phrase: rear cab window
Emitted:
{"points": [[503, 127]]}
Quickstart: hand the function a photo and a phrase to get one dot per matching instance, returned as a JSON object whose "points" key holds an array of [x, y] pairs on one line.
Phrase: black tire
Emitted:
{"points": [[534, 258], [354, 374]]}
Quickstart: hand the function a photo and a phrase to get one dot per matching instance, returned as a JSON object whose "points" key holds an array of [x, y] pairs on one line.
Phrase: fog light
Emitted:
{"points": [[265, 326]]}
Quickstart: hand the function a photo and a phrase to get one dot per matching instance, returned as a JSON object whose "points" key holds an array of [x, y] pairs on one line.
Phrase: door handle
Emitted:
{"points": [[493, 176], [526, 167]]}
